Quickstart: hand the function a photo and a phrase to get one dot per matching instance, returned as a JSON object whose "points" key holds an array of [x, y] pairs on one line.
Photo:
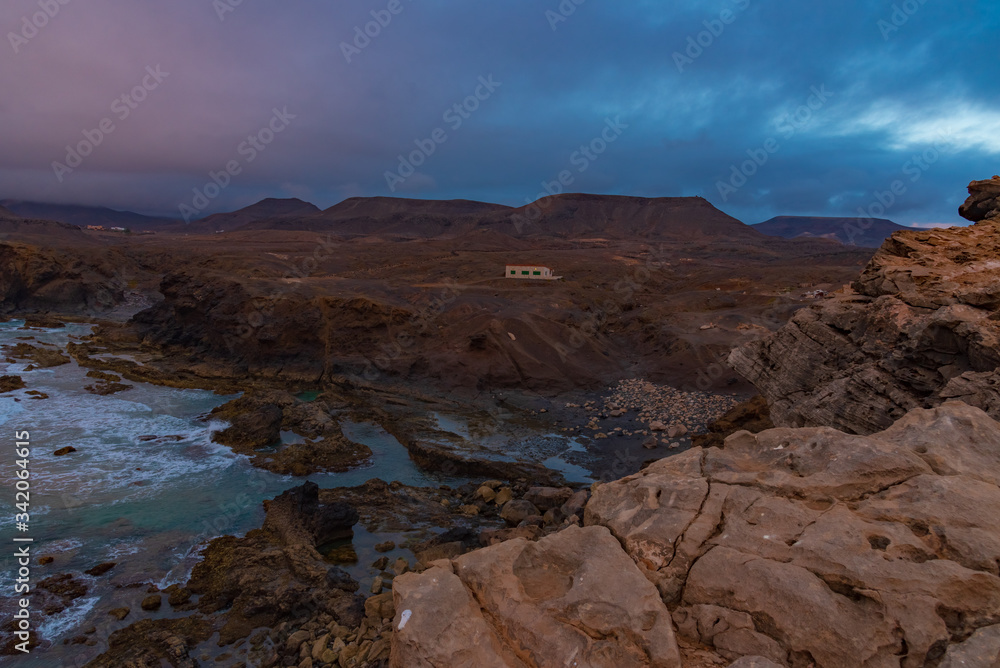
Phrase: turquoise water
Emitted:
{"points": [[147, 488], [149, 504]]}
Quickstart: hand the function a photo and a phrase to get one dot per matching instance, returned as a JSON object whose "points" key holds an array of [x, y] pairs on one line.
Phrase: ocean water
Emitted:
{"points": [[147, 488]]}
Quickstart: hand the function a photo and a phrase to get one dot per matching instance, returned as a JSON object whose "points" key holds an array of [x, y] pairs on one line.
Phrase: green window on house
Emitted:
{"points": [[536, 273], [524, 273], [513, 273]]}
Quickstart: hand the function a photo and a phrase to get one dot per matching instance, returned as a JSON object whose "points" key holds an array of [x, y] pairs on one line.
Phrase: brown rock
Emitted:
{"points": [[11, 383], [101, 569], [64, 451], [120, 613], [152, 602], [516, 511], [811, 542], [541, 596], [919, 327]]}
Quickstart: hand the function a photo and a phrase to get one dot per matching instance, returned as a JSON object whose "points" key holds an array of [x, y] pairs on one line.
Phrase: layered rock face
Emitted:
{"points": [[922, 325], [792, 547]]}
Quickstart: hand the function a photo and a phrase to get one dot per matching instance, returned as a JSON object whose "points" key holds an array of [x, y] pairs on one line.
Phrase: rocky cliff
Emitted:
{"points": [[921, 325], [792, 547], [873, 544]]}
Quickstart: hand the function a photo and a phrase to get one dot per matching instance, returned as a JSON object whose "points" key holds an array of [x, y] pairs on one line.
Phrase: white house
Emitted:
{"points": [[531, 272]]}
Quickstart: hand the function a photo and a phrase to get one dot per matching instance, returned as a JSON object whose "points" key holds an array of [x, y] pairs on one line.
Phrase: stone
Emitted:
{"points": [[380, 607], [64, 451], [576, 503], [119, 613], [677, 430], [486, 493], [982, 648], [574, 593], [503, 496], [657, 425], [812, 542], [545, 498], [100, 569], [295, 640], [387, 546], [516, 511], [754, 662], [152, 602]]}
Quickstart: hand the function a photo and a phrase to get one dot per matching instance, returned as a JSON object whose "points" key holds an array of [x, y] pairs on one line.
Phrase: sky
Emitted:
{"points": [[190, 107]]}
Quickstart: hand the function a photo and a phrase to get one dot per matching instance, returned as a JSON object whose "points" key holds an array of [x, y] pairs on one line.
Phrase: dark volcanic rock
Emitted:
{"points": [[253, 424], [11, 383], [275, 573], [155, 643], [43, 357], [101, 569]]}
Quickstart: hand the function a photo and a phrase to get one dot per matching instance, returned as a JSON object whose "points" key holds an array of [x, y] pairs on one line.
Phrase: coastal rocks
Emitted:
{"points": [[920, 327], [254, 424], [11, 383], [802, 545], [983, 202], [39, 357], [155, 643], [257, 419], [520, 603], [276, 573]]}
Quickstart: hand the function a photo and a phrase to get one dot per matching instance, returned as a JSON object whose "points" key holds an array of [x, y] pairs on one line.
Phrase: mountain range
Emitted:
{"points": [[865, 232], [567, 216]]}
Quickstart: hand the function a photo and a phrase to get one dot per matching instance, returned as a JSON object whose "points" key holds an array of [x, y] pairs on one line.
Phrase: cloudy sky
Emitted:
{"points": [[764, 108]]}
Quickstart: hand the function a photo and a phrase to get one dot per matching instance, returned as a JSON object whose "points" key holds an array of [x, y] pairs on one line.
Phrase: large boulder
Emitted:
{"points": [[572, 598], [983, 202], [811, 545]]}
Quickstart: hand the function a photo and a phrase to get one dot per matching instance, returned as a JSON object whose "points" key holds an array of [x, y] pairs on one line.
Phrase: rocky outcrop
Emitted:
{"points": [[983, 202], [921, 325], [791, 547], [572, 598]]}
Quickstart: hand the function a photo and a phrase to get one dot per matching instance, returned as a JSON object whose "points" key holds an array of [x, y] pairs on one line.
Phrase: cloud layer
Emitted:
{"points": [[820, 108]]}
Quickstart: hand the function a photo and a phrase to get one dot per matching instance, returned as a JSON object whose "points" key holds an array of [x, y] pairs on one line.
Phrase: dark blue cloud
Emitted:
{"points": [[902, 83]]}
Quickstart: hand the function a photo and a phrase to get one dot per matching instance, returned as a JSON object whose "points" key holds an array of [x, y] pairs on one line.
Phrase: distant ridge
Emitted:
{"points": [[568, 216], [865, 232], [270, 208], [74, 214]]}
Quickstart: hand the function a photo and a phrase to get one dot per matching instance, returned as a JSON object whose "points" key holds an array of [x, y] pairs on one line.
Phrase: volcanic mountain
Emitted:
{"points": [[270, 209], [82, 216], [866, 232], [570, 216], [389, 216]]}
